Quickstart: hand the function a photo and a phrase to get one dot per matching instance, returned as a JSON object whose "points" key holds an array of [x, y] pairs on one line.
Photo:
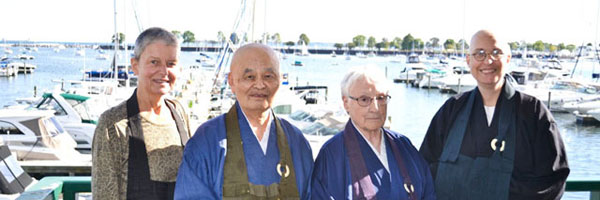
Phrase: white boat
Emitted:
{"points": [[80, 52], [25, 57], [102, 57], [20, 67], [78, 114], [582, 107], [412, 70], [561, 92], [37, 135], [8, 51], [595, 113], [456, 83], [7, 70]]}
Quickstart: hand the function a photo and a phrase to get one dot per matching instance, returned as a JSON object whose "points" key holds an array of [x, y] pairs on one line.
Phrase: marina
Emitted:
{"points": [[410, 109]]}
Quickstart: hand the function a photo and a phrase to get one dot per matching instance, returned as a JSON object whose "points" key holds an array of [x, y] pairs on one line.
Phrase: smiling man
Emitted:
{"points": [[494, 142], [247, 153]]}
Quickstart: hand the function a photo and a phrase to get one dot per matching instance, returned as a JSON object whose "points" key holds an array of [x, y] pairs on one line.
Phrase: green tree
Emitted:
{"points": [[513, 45], [290, 43], [338, 46], [371, 42], [359, 40], [303, 39], [459, 45], [177, 34], [121, 38], [235, 39], [449, 44], [384, 44], [571, 47], [435, 42], [188, 36], [276, 38], [350, 45], [407, 42], [553, 48], [221, 36], [561, 46], [419, 44], [396, 43], [538, 45]]}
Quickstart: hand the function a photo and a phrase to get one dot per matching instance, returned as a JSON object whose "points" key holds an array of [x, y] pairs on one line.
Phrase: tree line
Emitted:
{"points": [[406, 43]]}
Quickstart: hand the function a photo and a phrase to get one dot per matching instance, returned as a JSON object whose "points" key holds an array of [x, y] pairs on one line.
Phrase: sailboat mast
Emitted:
{"points": [[116, 41]]}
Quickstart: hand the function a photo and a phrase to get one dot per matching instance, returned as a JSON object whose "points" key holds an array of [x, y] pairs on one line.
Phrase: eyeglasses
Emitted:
{"points": [[365, 101], [481, 55]]}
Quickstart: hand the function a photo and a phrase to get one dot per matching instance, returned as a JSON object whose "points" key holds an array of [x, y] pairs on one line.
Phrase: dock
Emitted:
{"points": [[55, 167]]}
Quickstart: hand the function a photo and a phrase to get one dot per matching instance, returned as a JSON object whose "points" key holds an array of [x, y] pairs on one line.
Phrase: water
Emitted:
{"points": [[411, 109]]}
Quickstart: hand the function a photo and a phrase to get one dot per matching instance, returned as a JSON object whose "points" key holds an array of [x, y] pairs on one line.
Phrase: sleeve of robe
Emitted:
{"points": [[433, 143], [544, 177], [329, 176], [200, 172]]}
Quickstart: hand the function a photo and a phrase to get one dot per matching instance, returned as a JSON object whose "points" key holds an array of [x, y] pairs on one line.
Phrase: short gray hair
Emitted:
{"points": [[370, 73], [151, 35]]}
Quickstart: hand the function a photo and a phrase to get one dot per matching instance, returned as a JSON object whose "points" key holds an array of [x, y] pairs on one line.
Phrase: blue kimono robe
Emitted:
{"points": [[201, 171], [331, 178]]}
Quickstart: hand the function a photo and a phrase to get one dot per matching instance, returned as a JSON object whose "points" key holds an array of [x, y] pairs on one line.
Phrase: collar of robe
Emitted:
{"points": [[235, 180], [362, 187], [139, 184], [506, 121]]}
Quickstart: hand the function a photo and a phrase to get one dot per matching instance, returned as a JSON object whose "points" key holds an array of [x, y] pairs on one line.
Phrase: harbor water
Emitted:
{"points": [[411, 109]]}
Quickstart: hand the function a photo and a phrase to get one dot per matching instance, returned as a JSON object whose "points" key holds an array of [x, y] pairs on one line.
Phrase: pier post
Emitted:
{"points": [[406, 76], [34, 91], [549, 98], [459, 83], [429, 81]]}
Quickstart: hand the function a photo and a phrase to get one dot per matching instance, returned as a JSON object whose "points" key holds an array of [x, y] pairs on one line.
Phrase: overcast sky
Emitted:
{"points": [[572, 21]]}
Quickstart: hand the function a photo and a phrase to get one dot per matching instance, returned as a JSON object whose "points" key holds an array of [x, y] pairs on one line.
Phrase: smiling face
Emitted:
{"points": [[488, 72], [254, 77], [369, 118], [156, 68]]}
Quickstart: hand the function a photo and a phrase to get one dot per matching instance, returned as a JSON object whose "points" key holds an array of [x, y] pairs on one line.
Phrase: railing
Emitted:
{"points": [[53, 186]]}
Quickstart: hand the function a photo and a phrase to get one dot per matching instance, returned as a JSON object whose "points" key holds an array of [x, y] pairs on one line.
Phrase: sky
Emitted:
{"points": [[331, 21]]}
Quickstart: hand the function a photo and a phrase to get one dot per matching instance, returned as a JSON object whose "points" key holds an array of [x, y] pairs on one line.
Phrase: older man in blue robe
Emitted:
{"points": [[366, 161], [247, 153]]}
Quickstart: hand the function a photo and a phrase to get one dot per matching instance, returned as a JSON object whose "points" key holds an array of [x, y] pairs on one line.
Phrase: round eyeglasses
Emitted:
{"points": [[481, 55], [365, 101]]}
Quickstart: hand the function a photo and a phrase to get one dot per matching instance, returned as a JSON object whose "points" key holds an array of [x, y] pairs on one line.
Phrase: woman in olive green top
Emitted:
{"points": [[138, 144]]}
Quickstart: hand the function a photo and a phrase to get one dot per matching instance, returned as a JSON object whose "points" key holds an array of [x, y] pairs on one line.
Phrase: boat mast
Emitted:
{"points": [[116, 42]]}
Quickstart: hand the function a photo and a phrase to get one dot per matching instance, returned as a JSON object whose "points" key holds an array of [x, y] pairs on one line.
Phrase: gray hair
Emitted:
{"points": [[151, 35], [370, 73]]}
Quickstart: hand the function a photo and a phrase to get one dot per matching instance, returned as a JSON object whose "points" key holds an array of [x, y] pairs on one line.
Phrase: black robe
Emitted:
{"points": [[540, 166]]}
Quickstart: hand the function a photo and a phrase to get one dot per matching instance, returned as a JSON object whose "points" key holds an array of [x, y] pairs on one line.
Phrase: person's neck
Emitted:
{"points": [[258, 121], [490, 93], [373, 136], [150, 103]]}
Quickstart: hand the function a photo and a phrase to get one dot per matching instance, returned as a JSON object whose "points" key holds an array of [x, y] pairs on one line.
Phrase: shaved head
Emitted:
{"points": [[253, 51], [488, 35]]}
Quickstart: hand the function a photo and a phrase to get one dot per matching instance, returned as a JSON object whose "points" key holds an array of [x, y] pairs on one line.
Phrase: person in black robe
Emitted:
{"points": [[494, 142]]}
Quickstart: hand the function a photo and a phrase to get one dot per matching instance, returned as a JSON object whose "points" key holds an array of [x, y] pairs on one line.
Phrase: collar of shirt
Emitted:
{"points": [[382, 148], [265, 139]]}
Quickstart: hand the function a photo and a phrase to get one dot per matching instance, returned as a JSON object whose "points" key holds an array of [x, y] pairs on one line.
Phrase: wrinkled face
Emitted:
{"points": [[488, 72], [371, 117], [254, 79]]}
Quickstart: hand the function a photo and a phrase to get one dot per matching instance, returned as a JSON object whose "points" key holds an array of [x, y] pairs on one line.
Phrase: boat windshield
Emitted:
{"points": [[53, 126], [51, 104]]}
